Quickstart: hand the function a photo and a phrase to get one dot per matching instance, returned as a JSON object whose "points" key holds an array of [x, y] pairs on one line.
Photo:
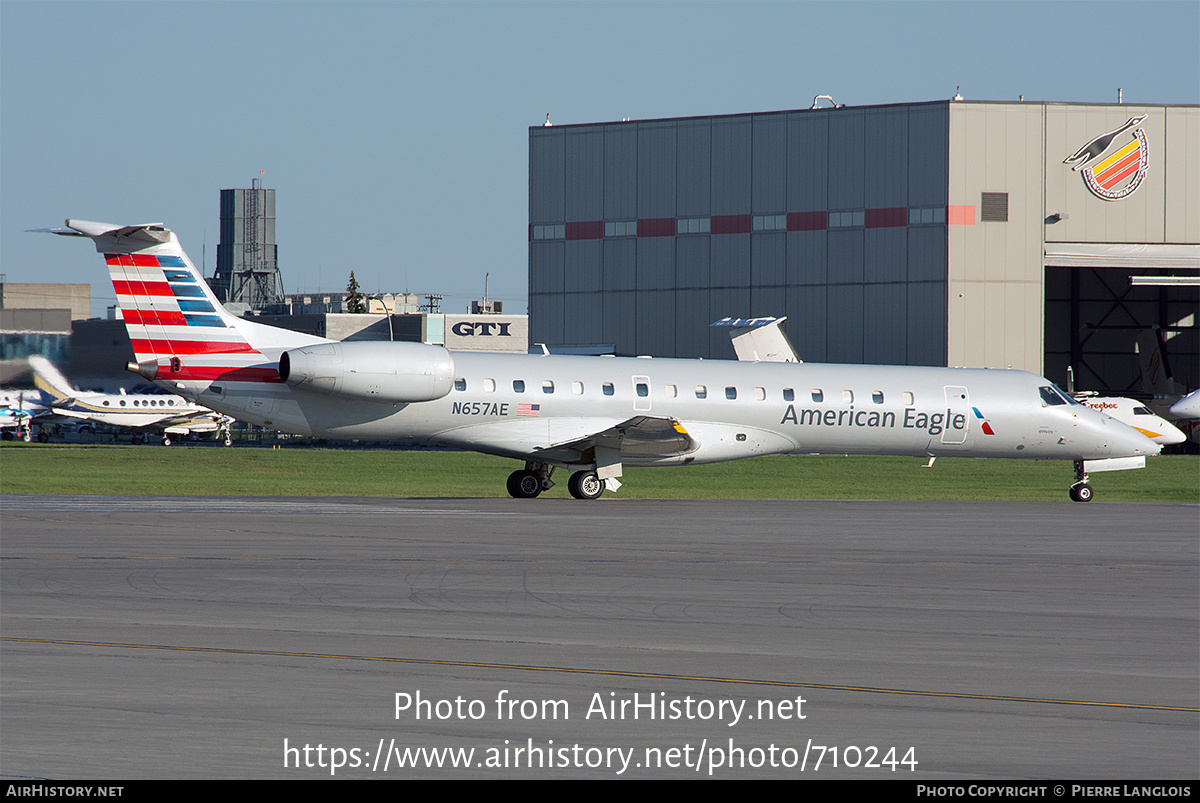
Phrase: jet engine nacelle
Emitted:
{"points": [[391, 372]]}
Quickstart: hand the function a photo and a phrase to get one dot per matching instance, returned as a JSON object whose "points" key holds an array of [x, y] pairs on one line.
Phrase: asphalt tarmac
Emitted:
{"points": [[151, 637]]}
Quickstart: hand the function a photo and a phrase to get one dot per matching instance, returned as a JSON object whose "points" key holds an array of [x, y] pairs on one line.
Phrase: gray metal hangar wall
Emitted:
{"points": [[904, 234]]}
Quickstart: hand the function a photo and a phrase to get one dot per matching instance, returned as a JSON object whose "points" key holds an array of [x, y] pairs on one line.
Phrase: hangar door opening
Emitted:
{"points": [[1094, 316]]}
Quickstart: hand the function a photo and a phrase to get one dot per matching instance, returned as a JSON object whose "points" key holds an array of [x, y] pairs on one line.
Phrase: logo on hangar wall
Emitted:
{"points": [[1112, 166]]}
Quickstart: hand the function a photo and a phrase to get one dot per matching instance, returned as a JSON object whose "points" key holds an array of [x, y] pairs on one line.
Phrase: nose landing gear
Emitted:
{"points": [[1080, 490]]}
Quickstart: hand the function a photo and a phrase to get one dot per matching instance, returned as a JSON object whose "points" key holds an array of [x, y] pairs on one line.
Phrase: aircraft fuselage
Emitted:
{"points": [[521, 405]]}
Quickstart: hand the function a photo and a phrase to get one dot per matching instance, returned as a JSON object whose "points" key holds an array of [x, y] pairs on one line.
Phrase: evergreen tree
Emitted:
{"points": [[354, 301]]}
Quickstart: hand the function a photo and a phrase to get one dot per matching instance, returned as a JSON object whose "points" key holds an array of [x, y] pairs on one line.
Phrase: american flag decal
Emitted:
{"points": [[532, 410]]}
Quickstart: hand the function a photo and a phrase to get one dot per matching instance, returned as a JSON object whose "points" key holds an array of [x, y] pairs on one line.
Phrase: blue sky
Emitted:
{"points": [[396, 134]]}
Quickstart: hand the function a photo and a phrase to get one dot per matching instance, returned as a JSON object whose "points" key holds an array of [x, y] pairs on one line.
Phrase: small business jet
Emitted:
{"points": [[589, 415], [164, 413]]}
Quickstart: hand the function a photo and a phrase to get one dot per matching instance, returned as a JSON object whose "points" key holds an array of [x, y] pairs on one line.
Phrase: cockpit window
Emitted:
{"points": [[1141, 411], [1052, 396]]}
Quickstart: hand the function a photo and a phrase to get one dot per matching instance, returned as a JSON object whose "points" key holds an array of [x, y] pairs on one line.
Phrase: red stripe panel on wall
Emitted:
{"points": [[656, 227], [807, 221], [887, 217], [586, 230], [731, 224]]}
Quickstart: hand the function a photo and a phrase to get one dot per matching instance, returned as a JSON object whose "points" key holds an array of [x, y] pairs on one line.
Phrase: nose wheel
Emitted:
{"points": [[1080, 490]]}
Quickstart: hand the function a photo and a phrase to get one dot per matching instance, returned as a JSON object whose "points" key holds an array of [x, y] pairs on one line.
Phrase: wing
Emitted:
{"points": [[638, 437]]}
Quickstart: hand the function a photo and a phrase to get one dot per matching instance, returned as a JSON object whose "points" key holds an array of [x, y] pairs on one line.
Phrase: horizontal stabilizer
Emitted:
{"points": [[152, 233], [144, 232]]}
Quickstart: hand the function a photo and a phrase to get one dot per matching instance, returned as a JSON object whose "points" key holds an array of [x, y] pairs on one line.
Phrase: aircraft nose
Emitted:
{"points": [[1172, 434], [1128, 442]]}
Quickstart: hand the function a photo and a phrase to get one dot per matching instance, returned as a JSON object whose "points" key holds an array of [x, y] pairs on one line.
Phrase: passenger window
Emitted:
{"points": [[577, 388], [489, 385], [877, 396], [818, 395], [789, 394], [731, 393], [607, 387], [518, 386], [907, 397], [760, 394], [701, 392], [460, 384], [643, 390], [671, 391], [848, 396], [547, 386]]}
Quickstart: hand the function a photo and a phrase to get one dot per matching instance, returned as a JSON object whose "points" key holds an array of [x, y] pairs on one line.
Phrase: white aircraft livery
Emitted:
{"points": [[590, 415], [1137, 415]]}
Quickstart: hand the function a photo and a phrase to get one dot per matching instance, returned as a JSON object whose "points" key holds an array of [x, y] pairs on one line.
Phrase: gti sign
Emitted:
{"points": [[486, 333], [481, 329]]}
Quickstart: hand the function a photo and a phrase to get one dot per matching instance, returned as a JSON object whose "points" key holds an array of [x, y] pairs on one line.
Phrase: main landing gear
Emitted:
{"points": [[532, 481], [1080, 490], [585, 485], [535, 478]]}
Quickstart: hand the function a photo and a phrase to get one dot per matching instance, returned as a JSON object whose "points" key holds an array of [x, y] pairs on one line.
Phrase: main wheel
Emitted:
{"points": [[524, 485], [1081, 492], [166, 440], [585, 485]]}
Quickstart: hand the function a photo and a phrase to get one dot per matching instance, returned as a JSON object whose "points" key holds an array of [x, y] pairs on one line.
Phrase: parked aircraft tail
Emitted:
{"points": [[1152, 358], [49, 380]]}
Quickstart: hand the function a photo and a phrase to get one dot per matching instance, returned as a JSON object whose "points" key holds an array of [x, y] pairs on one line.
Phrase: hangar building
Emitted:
{"points": [[989, 234]]}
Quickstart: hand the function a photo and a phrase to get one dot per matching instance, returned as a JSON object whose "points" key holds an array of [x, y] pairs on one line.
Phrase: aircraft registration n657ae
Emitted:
{"points": [[591, 415]]}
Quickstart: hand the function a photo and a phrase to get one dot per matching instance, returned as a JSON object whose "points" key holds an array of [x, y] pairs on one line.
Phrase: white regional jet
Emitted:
{"points": [[591, 415], [159, 412], [1137, 415]]}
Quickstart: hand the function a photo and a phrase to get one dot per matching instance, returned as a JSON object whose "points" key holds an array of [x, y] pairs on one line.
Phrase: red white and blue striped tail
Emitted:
{"points": [[179, 331]]}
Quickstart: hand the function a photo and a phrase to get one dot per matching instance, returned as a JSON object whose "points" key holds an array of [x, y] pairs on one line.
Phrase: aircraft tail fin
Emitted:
{"points": [[178, 329], [49, 380], [759, 339], [1152, 357]]}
